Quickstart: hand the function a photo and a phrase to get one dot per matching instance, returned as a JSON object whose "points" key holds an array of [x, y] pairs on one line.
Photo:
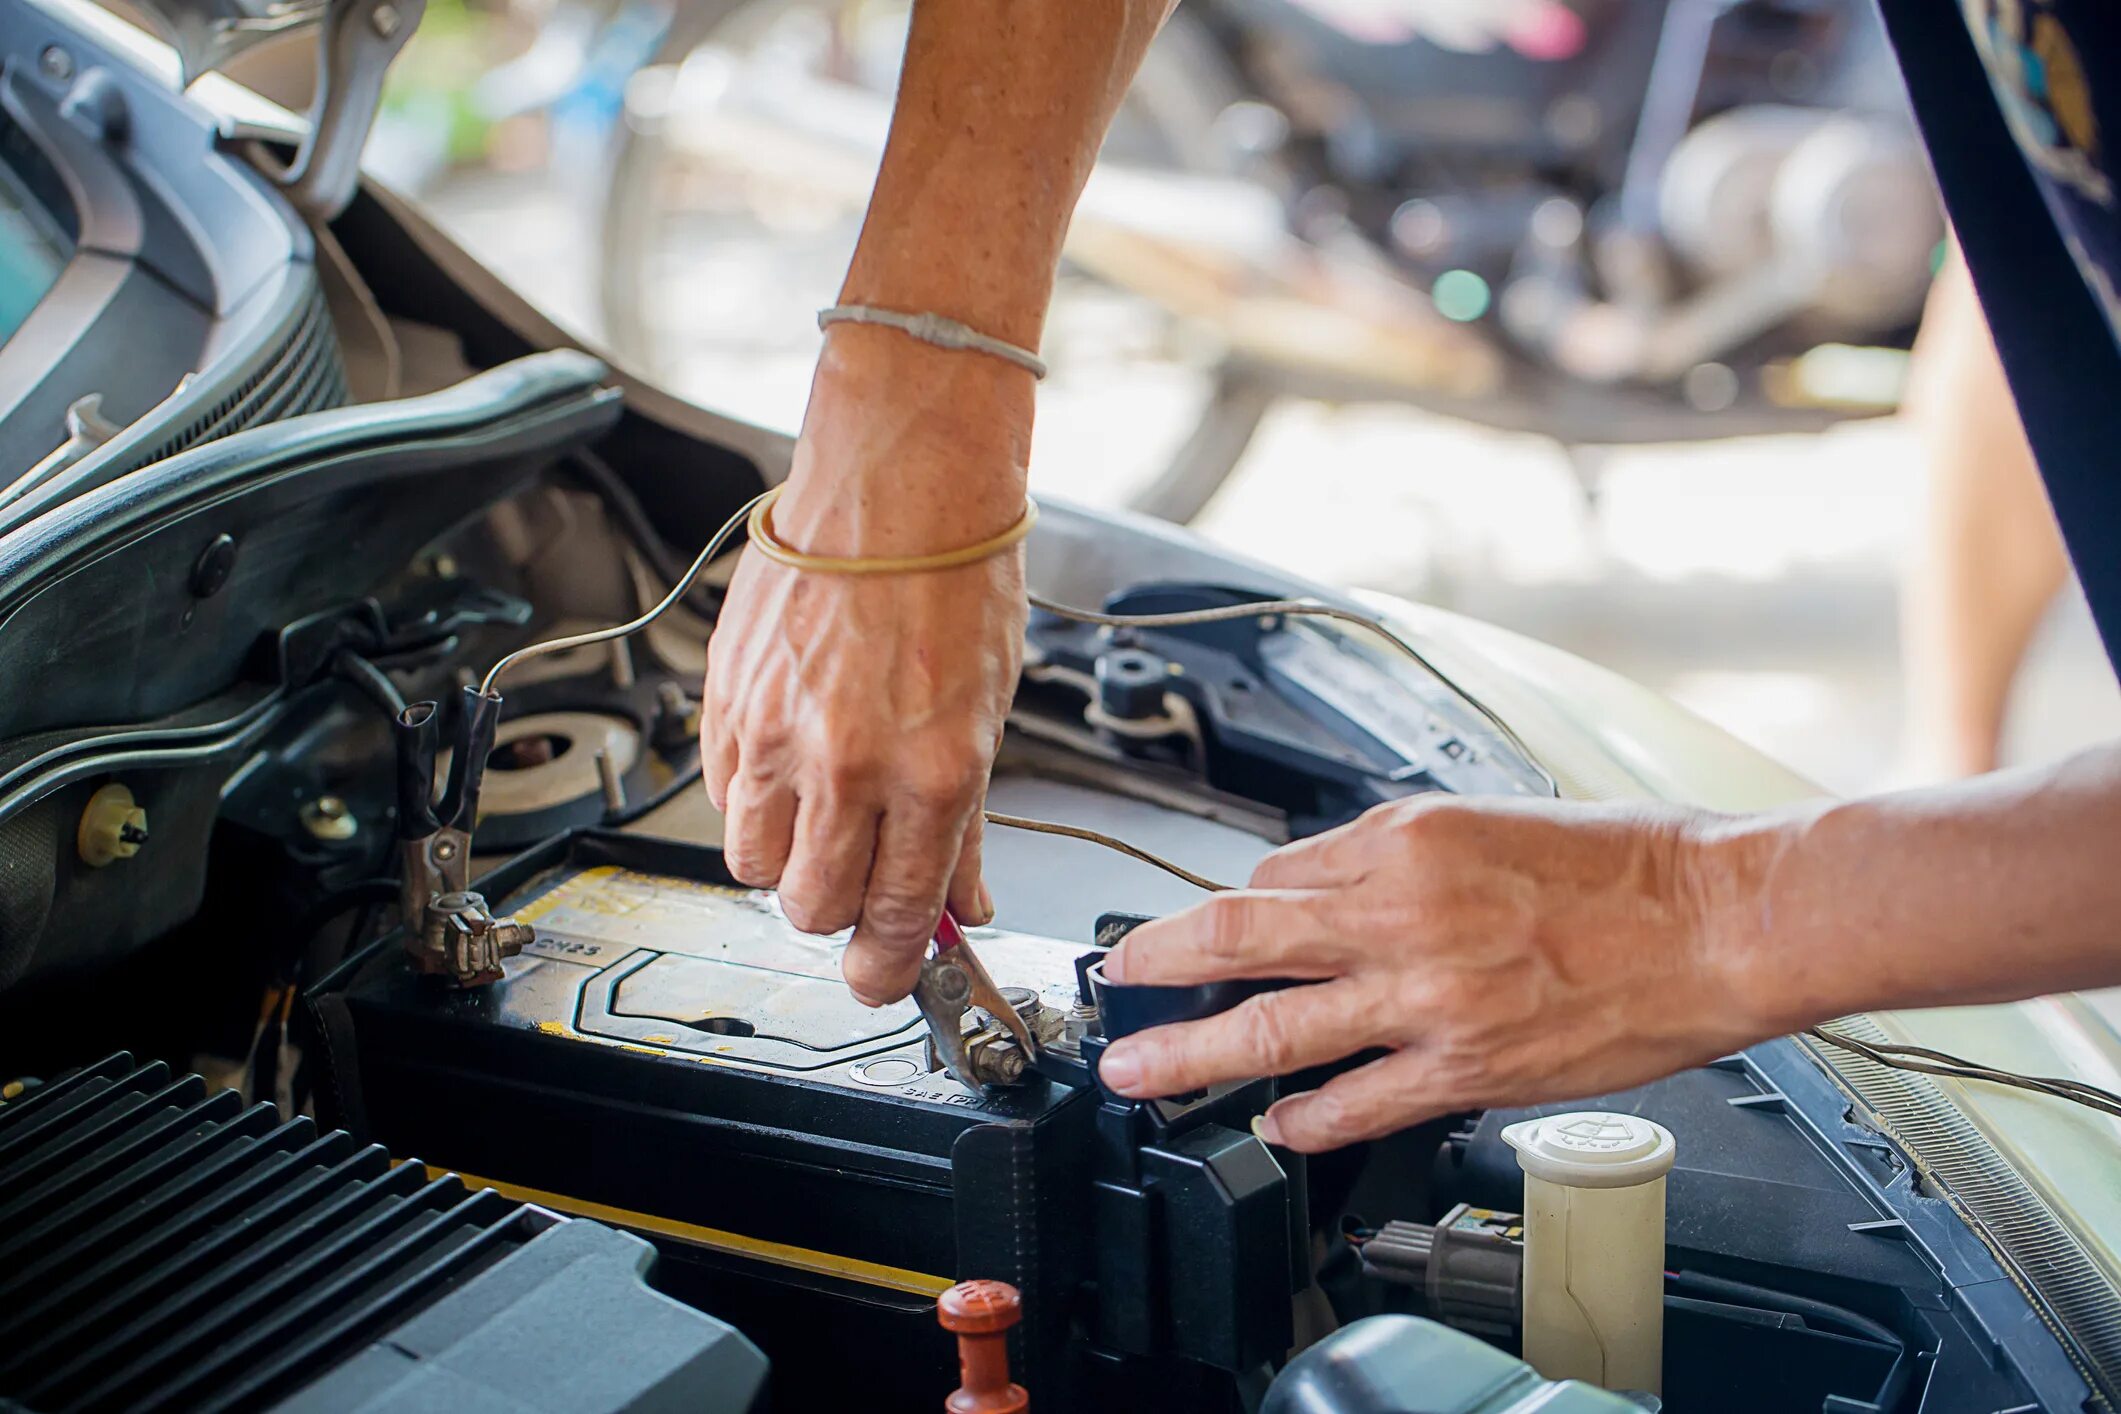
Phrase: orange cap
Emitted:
{"points": [[980, 1314]]}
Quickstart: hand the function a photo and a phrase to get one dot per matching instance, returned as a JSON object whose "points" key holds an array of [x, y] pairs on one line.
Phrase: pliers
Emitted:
{"points": [[953, 981]]}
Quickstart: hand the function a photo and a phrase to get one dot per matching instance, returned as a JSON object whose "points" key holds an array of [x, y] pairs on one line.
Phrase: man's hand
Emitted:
{"points": [[1501, 953], [851, 720], [1513, 952]]}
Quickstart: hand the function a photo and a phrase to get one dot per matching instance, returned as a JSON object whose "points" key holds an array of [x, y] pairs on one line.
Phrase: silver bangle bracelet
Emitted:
{"points": [[934, 329]]}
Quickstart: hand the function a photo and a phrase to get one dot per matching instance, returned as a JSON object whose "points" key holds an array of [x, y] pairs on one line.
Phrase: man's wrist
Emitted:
{"points": [[1757, 957], [1791, 918], [906, 448]]}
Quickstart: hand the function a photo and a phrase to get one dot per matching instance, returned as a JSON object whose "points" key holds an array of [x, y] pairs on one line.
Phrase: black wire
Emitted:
{"points": [[292, 966], [362, 922], [372, 680], [1818, 1313], [367, 894], [619, 498], [1923, 1061], [1111, 842]]}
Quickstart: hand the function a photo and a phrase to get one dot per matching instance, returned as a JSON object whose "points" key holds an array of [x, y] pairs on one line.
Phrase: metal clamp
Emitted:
{"points": [[449, 929]]}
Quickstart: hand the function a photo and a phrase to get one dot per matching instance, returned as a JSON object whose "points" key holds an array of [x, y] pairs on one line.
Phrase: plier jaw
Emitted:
{"points": [[952, 983]]}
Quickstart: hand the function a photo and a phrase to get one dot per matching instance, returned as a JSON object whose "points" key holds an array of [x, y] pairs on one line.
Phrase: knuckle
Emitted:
{"points": [[850, 773], [897, 914], [748, 864], [811, 915], [1425, 818], [766, 736], [1263, 1027], [1229, 928], [941, 785], [1328, 1116], [1271, 871]]}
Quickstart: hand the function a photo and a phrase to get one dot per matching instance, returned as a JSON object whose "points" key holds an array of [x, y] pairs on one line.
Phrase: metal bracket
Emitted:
{"points": [[359, 40]]}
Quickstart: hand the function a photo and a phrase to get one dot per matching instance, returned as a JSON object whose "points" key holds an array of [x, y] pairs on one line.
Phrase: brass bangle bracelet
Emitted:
{"points": [[769, 544]]}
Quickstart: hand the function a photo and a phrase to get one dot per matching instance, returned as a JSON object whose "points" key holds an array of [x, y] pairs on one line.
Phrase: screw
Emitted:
{"points": [[445, 849], [1080, 1022], [56, 63], [328, 818], [675, 721], [614, 785], [950, 983]]}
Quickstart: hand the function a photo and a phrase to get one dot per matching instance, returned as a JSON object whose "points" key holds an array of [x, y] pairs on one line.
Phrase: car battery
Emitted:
{"points": [[673, 1057]]}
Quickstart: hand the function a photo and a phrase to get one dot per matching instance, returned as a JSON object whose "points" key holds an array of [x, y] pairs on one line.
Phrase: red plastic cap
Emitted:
{"points": [[979, 1307]]}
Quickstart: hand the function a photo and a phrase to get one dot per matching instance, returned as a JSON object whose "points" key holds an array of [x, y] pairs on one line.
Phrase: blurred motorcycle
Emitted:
{"points": [[1607, 221]]}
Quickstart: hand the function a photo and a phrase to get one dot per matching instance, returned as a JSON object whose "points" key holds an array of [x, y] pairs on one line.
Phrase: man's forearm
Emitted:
{"points": [[1002, 107], [1992, 889]]}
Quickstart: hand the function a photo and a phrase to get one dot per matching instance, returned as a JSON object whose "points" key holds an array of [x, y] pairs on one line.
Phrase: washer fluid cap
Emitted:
{"points": [[1592, 1149]]}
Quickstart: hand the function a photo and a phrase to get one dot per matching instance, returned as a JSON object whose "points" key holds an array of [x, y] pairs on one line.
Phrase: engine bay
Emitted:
{"points": [[215, 1004], [670, 1058]]}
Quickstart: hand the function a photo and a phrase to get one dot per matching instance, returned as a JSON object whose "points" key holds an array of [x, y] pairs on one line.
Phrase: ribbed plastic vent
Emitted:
{"points": [[166, 1248], [2044, 1257], [306, 374]]}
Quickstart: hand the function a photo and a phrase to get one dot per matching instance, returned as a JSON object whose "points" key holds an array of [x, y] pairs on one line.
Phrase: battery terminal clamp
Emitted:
{"points": [[450, 931]]}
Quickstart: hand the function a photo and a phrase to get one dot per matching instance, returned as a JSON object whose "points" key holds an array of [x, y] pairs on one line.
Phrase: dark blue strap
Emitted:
{"points": [[2058, 348]]}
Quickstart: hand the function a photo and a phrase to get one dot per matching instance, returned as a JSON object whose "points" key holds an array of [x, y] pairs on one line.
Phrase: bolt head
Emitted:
{"points": [[56, 63], [950, 982], [386, 20], [328, 818]]}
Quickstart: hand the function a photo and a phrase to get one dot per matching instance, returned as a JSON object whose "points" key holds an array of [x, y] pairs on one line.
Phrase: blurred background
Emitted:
{"points": [[1590, 319]]}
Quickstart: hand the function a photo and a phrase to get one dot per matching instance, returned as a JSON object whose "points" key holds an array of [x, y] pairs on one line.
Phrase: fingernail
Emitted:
{"points": [[1115, 968], [1120, 1070], [1268, 1129], [986, 903]]}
